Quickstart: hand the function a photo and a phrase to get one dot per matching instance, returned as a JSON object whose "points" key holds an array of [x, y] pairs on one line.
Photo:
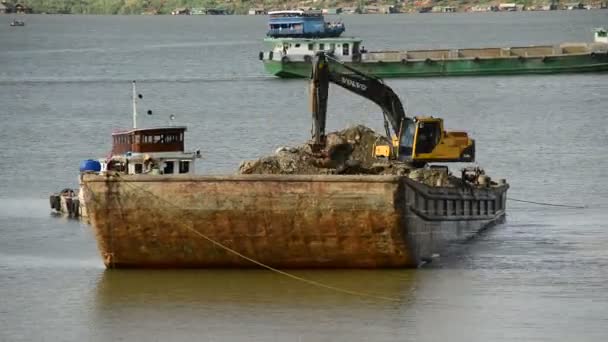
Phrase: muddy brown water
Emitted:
{"points": [[65, 85]]}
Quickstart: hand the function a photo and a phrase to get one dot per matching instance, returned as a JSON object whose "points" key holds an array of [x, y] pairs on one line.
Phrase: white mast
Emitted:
{"points": [[134, 106]]}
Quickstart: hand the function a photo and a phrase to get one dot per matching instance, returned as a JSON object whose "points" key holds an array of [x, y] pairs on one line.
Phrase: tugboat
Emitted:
{"points": [[145, 151], [302, 24]]}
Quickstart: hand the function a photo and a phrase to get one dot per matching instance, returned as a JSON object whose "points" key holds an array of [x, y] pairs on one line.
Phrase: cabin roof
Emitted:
{"points": [[312, 40], [152, 129], [286, 12]]}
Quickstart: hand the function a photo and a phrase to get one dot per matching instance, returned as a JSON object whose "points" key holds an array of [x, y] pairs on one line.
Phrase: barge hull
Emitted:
{"points": [[279, 220], [456, 67]]}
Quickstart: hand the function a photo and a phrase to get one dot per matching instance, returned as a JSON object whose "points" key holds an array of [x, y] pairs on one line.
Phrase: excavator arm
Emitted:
{"points": [[326, 69], [419, 140]]}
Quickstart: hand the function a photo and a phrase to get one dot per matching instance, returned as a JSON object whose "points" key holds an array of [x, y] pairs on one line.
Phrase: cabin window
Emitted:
{"points": [[297, 45], [332, 47], [184, 166], [311, 47], [169, 166], [427, 136], [321, 46], [345, 49], [139, 168]]}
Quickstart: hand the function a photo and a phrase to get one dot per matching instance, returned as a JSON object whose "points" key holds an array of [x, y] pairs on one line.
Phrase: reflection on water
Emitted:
{"points": [[253, 287], [238, 304]]}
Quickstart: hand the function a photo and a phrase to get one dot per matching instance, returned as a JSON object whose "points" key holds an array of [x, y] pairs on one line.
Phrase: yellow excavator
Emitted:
{"points": [[417, 140]]}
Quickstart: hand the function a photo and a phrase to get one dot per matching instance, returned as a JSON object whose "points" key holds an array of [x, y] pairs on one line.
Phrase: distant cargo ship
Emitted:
{"points": [[290, 57]]}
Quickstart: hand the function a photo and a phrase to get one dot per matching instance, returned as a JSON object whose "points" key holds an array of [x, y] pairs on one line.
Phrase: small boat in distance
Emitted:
{"points": [[302, 24], [17, 23], [291, 57]]}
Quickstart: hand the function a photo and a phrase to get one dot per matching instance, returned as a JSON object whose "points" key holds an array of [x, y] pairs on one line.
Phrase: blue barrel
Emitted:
{"points": [[90, 165]]}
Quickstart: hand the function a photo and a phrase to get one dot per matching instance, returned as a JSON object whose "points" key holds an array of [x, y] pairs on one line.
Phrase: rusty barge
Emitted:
{"points": [[284, 221], [349, 199]]}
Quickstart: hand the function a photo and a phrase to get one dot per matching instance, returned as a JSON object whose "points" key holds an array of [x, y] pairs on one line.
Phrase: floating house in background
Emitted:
{"points": [[574, 6], [443, 9], [332, 10], [479, 9], [257, 11], [509, 7], [4, 9], [198, 11], [181, 11]]}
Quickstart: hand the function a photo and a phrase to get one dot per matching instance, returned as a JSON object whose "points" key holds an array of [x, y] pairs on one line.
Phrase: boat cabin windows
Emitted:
{"points": [[286, 28], [427, 136], [321, 47], [149, 140], [139, 168], [160, 138], [311, 46], [345, 49], [184, 166], [169, 167]]}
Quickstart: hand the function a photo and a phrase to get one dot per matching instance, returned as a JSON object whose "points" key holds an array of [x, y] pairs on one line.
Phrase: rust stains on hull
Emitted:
{"points": [[281, 221]]}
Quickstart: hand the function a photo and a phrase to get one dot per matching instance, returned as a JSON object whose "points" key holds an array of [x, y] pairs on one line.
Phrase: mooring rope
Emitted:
{"points": [[268, 267], [548, 204]]}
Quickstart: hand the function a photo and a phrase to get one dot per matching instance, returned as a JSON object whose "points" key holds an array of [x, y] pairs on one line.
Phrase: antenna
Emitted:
{"points": [[134, 98]]}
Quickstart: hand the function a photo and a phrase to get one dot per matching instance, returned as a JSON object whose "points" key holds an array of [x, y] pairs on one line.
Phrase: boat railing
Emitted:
{"points": [[283, 32], [481, 53], [458, 204]]}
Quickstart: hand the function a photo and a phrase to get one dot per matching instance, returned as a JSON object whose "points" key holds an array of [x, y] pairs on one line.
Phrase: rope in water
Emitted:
{"points": [[286, 274], [547, 204]]}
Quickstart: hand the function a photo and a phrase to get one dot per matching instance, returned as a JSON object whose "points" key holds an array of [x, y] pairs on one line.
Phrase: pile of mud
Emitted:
{"points": [[349, 151]]}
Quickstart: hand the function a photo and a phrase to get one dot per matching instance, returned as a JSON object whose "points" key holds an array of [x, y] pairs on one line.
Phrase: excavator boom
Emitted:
{"points": [[418, 140], [367, 86]]}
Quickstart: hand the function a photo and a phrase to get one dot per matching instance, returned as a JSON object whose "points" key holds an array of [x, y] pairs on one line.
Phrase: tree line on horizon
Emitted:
{"points": [[230, 6]]}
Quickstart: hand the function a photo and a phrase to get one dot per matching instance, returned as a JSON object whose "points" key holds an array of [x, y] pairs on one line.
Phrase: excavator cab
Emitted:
{"points": [[425, 141]]}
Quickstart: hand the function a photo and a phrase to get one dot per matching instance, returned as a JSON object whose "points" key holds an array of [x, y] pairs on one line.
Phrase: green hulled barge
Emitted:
{"points": [[290, 57]]}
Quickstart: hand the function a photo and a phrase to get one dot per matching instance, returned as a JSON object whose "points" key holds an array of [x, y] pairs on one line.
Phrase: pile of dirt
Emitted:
{"points": [[349, 151]]}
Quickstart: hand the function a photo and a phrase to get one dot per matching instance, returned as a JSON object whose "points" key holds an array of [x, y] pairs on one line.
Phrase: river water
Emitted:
{"points": [[65, 85]]}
